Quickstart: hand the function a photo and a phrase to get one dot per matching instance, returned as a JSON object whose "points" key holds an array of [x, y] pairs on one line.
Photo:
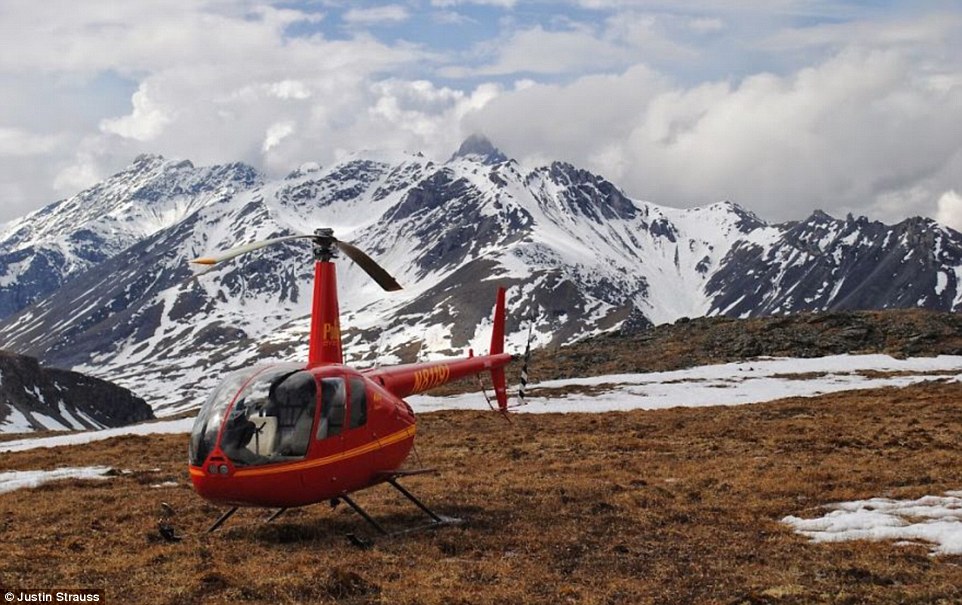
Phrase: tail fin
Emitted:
{"points": [[497, 346]]}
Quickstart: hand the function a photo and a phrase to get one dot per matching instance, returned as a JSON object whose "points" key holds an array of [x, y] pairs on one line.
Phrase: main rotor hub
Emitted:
{"points": [[325, 246]]}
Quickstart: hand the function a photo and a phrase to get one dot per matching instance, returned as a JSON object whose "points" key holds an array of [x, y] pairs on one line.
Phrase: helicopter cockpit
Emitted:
{"points": [[265, 415]]}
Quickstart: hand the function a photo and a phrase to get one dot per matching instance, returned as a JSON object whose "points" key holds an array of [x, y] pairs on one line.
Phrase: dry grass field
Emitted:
{"points": [[672, 506]]}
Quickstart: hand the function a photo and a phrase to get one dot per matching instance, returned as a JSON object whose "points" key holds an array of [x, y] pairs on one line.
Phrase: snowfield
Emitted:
{"points": [[724, 384], [150, 428]]}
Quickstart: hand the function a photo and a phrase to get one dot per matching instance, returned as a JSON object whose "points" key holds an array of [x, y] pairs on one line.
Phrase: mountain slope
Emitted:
{"points": [[43, 250], [580, 257], [825, 264], [35, 398]]}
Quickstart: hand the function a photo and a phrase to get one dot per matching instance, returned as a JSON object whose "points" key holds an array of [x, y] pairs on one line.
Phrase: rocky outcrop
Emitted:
{"points": [[706, 340], [34, 398]]}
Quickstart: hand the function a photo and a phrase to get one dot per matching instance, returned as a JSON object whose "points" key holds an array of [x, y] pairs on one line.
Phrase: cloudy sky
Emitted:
{"points": [[782, 106]]}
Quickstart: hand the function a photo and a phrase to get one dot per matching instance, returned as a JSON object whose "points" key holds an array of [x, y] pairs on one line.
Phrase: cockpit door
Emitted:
{"points": [[342, 447], [357, 431]]}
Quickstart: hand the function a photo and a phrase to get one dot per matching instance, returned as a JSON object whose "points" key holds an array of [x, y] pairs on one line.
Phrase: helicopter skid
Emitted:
{"points": [[391, 478]]}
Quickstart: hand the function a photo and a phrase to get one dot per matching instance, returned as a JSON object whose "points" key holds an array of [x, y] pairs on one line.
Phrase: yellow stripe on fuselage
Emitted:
{"points": [[306, 464]]}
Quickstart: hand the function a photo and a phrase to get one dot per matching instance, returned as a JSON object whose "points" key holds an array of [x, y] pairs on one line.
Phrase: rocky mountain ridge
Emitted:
{"points": [[579, 256]]}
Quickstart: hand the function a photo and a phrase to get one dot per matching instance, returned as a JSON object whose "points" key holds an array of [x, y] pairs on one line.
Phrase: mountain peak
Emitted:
{"points": [[477, 146], [146, 160], [820, 216]]}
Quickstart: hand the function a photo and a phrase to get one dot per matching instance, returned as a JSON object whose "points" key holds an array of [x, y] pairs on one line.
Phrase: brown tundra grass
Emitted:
{"points": [[670, 507]]}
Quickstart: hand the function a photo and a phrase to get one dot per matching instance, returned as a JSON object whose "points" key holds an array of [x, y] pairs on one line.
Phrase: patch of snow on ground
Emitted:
{"points": [[936, 520], [181, 425], [724, 384], [14, 480]]}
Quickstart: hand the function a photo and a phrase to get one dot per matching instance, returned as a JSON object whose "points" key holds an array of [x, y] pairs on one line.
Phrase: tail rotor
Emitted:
{"points": [[524, 366]]}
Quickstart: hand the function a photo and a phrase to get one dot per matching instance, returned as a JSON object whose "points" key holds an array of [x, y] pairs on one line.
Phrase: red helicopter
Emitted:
{"points": [[290, 434]]}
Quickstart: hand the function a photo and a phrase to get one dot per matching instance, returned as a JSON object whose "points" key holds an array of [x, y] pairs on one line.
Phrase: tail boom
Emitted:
{"points": [[410, 379]]}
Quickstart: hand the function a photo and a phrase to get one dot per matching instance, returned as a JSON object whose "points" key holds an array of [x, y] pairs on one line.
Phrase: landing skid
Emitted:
{"points": [[221, 520], [227, 515], [391, 478]]}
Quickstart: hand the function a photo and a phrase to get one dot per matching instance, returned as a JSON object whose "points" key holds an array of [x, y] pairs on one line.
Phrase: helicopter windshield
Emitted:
{"points": [[269, 416]]}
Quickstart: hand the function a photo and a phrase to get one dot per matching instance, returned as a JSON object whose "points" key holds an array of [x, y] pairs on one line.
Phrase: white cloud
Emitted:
{"points": [[925, 29], [949, 211], [83, 172], [290, 89], [565, 121], [209, 86], [614, 44], [450, 17], [276, 133], [843, 134], [60, 36], [392, 13], [145, 122], [646, 37], [706, 25], [501, 3], [540, 51], [803, 7]]}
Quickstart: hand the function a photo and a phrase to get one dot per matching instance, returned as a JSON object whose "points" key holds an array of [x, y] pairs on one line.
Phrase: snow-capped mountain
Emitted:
{"points": [[579, 257], [43, 250]]}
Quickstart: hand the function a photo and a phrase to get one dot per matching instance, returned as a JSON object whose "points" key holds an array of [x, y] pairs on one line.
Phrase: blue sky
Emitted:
{"points": [[783, 106]]}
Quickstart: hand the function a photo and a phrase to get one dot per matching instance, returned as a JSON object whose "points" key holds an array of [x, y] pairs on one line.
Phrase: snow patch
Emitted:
{"points": [[14, 480], [724, 384], [935, 520], [181, 425], [941, 281], [15, 422]]}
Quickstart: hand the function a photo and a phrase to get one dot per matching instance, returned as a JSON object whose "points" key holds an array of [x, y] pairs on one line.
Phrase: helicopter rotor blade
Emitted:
{"points": [[230, 253], [365, 262], [320, 239]]}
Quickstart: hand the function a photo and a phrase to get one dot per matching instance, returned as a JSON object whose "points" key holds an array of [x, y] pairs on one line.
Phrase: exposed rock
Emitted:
{"points": [[705, 340], [478, 147]]}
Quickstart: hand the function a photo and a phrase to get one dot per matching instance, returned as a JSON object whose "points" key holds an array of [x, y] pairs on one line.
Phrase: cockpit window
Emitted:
{"points": [[203, 435], [358, 402], [270, 418], [332, 408]]}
